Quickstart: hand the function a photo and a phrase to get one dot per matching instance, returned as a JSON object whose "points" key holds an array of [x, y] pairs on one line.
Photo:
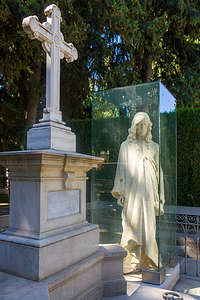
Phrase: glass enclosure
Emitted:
{"points": [[133, 195]]}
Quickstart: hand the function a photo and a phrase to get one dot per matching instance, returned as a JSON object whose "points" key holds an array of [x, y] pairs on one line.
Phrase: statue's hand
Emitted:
{"points": [[120, 201]]}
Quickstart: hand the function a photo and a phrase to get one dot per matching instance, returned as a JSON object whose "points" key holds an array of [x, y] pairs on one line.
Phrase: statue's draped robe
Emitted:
{"points": [[136, 181]]}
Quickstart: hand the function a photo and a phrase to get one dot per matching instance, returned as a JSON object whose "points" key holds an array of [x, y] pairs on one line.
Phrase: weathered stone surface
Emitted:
{"points": [[35, 174], [112, 270], [15, 288], [35, 260], [81, 281], [63, 203], [42, 238], [51, 136]]}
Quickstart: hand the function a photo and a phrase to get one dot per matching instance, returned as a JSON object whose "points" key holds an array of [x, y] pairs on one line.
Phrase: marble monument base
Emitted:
{"points": [[37, 259], [51, 135], [48, 231], [80, 281]]}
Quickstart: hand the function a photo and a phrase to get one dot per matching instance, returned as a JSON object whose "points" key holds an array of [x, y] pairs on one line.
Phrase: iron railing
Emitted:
{"points": [[188, 226]]}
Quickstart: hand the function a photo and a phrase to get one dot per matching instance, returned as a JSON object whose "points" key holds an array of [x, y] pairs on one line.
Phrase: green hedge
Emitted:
{"points": [[188, 156]]}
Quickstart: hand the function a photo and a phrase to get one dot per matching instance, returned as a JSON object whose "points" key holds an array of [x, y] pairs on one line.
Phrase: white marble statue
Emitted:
{"points": [[136, 189]]}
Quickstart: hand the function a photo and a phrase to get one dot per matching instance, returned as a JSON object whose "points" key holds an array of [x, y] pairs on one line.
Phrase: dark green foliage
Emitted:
{"points": [[82, 129], [20, 69], [11, 121], [188, 132], [4, 198]]}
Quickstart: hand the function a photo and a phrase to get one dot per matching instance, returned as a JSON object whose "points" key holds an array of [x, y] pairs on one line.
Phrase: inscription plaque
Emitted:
{"points": [[63, 203]]}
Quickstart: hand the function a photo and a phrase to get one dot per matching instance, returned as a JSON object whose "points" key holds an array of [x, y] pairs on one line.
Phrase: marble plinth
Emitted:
{"points": [[37, 259], [112, 270], [51, 135], [80, 281], [47, 230]]}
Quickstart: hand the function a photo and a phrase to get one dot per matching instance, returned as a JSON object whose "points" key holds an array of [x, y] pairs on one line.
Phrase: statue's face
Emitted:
{"points": [[142, 129]]}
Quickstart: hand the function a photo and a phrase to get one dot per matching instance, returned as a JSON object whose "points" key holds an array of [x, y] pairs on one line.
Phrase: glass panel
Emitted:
{"points": [[167, 222], [133, 171]]}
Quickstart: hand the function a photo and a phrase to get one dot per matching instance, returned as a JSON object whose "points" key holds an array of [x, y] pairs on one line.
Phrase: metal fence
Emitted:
{"points": [[188, 229]]}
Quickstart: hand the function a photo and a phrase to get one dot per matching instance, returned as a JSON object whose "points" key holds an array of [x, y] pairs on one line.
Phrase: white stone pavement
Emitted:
{"points": [[144, 292], [16, 288], [188, 288]]}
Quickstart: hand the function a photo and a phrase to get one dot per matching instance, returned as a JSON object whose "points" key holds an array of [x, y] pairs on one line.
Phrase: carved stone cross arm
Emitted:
{"points": [[56, 48], [36, 30], [44, 33], [51, 132]]}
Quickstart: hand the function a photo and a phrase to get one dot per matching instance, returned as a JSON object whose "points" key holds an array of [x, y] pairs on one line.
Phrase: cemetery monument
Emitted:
{"points": [[48, 233], [48, 238]]}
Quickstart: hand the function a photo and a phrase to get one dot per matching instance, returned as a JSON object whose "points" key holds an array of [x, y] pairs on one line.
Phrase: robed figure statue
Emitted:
{"points": [[136, 190]]}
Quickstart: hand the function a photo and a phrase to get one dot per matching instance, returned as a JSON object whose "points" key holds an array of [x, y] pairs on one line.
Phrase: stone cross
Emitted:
{"points": [[56, 48]]}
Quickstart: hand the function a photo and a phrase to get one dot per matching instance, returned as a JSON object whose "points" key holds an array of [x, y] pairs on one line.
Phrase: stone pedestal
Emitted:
{"points": [[51, 135], [112, 270], [153, 277], [48, 231]]}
